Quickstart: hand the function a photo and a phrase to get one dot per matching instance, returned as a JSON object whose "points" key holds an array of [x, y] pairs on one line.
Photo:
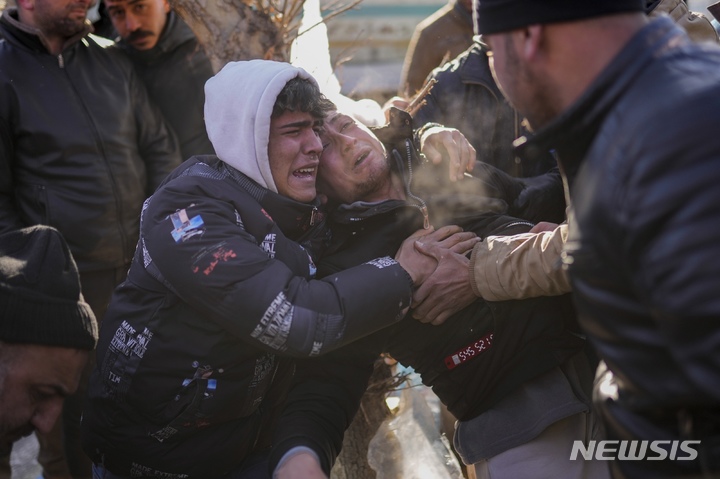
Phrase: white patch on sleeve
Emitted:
{"points": [[381, 263], [268, 244], [127, 340], [274, 327]]}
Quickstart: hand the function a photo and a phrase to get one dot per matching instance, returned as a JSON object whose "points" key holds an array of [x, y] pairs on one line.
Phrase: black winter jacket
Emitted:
{"points": [[80, 145], [221, 287], [641, 156], [472, 361], [174, 72], [466, 97]]}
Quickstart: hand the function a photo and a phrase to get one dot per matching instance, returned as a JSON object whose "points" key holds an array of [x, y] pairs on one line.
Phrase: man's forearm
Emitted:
{"points": [[520, 266]]}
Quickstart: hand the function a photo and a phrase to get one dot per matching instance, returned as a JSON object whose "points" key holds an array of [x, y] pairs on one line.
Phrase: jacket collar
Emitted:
{"points": [[476, 70], [19, 33], [175, 33], [462, 13], [572, 133], [361, 210], [292, 217]]}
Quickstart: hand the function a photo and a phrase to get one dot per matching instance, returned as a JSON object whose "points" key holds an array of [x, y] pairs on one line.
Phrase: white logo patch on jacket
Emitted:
{"points": [[268, 244]]}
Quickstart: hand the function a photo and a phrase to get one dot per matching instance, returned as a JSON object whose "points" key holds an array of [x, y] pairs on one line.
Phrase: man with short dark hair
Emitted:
{"points": [[631, 108], [46, 331], [170, 62]]}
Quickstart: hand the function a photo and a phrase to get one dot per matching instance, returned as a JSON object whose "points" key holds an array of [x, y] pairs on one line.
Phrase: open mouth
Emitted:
{"points": [[307, 172], [361, 158]]}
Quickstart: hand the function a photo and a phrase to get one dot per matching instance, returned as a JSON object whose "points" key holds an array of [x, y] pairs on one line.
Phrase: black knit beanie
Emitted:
{"points": [[495, 16], [40, 299]]}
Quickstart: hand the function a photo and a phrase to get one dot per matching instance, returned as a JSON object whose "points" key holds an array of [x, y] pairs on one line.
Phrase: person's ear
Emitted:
{"points": [[532, 41], [26, 4], [166, 6]]}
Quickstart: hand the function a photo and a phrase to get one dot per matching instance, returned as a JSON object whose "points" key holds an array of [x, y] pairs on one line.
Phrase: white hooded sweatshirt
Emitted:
{"points": [[239, 102]]}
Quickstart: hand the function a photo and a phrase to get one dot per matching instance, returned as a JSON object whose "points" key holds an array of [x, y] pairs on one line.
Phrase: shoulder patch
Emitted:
{"points": [[186, 228]]}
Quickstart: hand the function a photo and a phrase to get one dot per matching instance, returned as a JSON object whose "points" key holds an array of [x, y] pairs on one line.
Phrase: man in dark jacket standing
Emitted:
{"points": [[466, 97], [631, 107], [170, 62], [80, 149]]}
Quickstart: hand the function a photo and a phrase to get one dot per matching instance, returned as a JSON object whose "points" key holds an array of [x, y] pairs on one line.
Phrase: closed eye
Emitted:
{"points": [[322, 134]]}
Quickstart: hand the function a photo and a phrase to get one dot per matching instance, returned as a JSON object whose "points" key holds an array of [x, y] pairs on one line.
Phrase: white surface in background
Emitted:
{"points": [[311, 51], [23, 459], [701, 6]]}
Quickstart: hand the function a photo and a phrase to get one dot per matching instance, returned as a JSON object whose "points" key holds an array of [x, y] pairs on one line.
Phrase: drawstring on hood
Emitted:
{"points": [[239, 102]]}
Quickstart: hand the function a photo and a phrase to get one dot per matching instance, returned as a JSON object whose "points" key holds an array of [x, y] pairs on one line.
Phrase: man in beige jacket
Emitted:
{"points": [[443, 35]]}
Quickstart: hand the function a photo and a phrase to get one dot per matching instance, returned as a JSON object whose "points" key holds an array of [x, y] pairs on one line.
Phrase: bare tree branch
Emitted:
{"points": [[231, 30]]}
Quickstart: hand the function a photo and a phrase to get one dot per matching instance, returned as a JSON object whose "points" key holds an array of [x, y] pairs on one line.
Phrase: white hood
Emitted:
{"points": [[239, 101]]}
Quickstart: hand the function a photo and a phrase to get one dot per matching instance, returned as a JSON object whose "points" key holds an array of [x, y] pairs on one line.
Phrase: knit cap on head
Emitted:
{"points": [[239, 101], [496, 16], [40, 299]]}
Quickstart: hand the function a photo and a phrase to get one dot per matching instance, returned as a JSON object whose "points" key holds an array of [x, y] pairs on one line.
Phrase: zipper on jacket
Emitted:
{"points": [[426, 217], [421, 204], [61, 60], [312, 215]]}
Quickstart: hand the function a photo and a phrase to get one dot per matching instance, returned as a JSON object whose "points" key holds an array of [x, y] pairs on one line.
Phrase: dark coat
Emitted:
{"points": [[641, 157], [174, 72], [80, 145], [220, 289], [466, 97]]}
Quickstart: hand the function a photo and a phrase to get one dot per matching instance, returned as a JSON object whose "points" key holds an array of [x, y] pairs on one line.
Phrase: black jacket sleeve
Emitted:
{"points": [[538, 198], [229, 279]]}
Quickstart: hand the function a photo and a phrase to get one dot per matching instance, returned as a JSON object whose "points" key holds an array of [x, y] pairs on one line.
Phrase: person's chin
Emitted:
{"points": [[142, 44], [7, 441], [307, 198], [78, 14], [5, 446], [304, 196]]}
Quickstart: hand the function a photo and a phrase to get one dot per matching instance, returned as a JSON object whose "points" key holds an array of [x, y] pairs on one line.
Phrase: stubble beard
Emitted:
{"points": [[67, 27], [61, 24], [10, 427], [375, 185]]}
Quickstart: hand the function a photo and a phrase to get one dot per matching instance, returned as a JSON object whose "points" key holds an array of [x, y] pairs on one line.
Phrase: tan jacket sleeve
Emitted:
{"points": [[521, 266]]}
